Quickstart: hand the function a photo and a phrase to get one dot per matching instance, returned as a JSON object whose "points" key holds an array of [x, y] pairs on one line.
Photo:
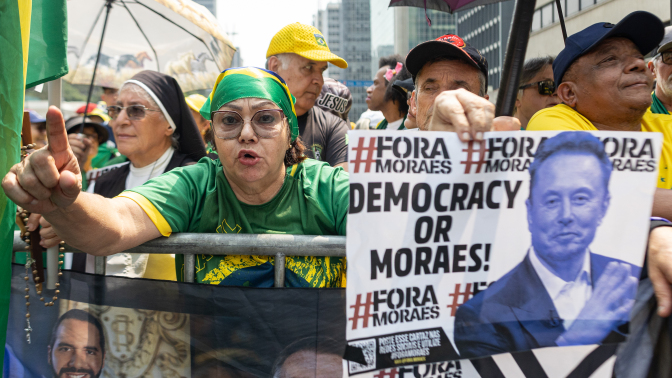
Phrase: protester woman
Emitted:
{"points": [[261, 183], [155, 132]]}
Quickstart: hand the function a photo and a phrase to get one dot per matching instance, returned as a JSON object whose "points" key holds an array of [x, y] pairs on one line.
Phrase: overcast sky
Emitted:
{"points": [[256, 21]]}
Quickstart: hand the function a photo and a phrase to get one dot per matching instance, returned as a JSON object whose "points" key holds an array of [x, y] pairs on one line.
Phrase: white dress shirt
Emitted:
{"points": [[569, 297]]}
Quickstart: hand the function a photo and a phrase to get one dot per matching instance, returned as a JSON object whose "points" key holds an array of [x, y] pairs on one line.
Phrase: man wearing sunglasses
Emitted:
{"points": [[537, 90], [661, 66]]}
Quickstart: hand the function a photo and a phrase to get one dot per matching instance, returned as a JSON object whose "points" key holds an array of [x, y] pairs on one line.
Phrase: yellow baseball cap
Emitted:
{"points": [[306, 41], [195, 101]]}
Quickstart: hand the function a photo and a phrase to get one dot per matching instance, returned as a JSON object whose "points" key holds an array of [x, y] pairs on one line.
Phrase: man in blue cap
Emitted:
{"points": [[604, 84]]}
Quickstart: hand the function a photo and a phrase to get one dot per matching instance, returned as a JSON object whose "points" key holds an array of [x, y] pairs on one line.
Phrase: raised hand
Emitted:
{"points": [[463, 112], [80, 147], [49, 178], [660, 267], [608, 307]]}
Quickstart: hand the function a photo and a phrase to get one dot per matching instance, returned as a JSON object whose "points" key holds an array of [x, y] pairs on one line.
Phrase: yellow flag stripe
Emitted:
{"points": [[25, 10]]}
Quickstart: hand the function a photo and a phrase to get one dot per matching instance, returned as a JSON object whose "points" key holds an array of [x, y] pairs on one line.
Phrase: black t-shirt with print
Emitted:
{"points": [[324, 135]]}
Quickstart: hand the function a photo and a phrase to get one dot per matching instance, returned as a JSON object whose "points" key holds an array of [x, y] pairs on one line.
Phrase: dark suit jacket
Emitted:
{"points": [[515, 313]]}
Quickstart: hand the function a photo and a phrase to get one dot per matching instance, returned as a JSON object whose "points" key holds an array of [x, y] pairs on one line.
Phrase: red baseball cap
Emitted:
{"points": [[446, 45]]}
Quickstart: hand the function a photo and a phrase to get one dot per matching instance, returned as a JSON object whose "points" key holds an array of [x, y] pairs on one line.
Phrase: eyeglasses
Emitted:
{"points": [[545, 87], [134, 112], [266, 123], [667, 57]]}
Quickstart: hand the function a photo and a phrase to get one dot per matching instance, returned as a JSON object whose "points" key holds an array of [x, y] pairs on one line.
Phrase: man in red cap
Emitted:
{"points": [[451, 81]]}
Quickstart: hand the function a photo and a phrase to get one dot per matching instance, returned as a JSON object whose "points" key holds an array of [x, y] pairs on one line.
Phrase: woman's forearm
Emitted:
{"points": [[102, 226]]}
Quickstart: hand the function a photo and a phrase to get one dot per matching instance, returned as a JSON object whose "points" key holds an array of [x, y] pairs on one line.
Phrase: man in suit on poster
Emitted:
{"points": [[561, 293]]}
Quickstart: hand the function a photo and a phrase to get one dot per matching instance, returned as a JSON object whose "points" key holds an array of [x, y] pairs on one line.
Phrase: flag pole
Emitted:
{"points": [[108, 6], [55, 96]]}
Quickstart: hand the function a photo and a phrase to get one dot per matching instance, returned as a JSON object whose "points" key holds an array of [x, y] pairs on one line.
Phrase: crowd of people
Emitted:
{"points": [[266, 151]]}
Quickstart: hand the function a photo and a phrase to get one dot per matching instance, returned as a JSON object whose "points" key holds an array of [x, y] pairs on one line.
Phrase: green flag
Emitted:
{"points": [[14, 39], [48, 58]]}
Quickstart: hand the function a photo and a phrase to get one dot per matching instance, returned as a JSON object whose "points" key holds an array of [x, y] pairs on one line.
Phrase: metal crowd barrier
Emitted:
{"points": [[190, 245]]}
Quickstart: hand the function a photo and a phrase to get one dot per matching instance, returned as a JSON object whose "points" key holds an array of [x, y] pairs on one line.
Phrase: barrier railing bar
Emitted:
{"points": [[189, 262], [100, 263], [228, 244], [234, 244], [279, 278]]}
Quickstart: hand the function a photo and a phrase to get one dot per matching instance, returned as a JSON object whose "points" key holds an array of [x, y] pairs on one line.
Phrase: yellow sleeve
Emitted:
{"points": [[660, 123], [151, 211], [559, 118]]}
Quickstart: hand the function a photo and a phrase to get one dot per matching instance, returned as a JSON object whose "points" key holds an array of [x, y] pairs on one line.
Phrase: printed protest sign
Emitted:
{"points": [[524, 241]]}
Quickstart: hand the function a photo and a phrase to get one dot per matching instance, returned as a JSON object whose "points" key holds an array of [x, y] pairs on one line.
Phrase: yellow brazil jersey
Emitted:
{"points": [[562, 117]]}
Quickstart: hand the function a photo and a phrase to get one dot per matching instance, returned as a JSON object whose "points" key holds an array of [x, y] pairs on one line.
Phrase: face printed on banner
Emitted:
{"points": [[567, 203], [77, 351], [308, 364]]}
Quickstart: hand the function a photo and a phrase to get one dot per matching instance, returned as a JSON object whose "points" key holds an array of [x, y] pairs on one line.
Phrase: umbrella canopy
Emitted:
{"points": [[515, 50], [176, 37], [449, 6]]}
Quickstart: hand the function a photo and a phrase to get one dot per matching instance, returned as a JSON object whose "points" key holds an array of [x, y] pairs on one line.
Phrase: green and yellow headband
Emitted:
{"points": [[244, 82]]}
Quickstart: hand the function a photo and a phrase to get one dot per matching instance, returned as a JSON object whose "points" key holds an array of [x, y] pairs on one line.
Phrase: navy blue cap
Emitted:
{"points": [[644, 29]]}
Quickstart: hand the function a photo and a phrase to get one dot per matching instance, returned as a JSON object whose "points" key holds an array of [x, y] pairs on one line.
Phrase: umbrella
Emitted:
{"points": [[109, 41], [515, 50]]}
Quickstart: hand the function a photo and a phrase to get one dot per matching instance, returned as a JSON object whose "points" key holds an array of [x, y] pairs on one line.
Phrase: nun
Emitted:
{"points": [[155, 132]]}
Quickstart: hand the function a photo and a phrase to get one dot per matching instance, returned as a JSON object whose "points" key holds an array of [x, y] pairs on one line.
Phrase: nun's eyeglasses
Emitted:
{"points": [[134, 112], [266, 123]]}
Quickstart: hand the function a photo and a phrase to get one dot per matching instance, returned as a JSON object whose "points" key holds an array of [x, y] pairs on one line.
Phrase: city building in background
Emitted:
{"points": [[237, 60], [353, 46], [412, 28], [210, 5], [546, 36], [328, 21], [382, 31], [487, 29]]}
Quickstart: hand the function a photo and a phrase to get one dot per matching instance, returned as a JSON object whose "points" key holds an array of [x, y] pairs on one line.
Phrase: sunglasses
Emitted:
{"points": [[228, 124], [134, 112], [545, 87], [667, 57]]}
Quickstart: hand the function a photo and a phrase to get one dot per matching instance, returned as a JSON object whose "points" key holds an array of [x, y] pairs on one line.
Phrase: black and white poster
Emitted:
{"points": [[468, 250]]}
